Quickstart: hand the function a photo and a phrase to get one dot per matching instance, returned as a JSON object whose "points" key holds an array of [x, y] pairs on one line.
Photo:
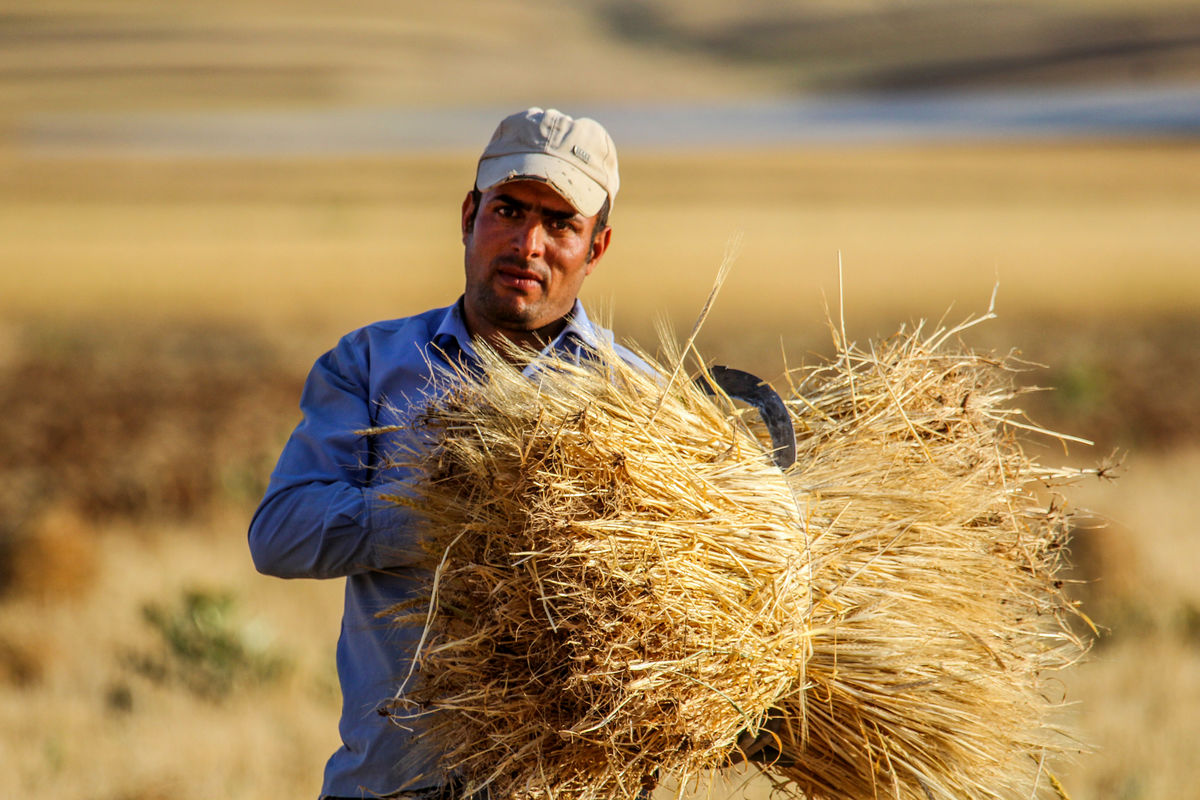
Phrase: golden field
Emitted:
{"points": [[1093, 229], [158, 315]]}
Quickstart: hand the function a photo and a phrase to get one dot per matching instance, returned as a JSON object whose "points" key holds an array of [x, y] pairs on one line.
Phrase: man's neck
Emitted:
{"points": [[501, 339]]}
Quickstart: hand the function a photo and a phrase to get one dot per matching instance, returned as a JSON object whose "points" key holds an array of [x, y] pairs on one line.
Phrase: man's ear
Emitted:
{"points": [[468, 215], [599, 247]]}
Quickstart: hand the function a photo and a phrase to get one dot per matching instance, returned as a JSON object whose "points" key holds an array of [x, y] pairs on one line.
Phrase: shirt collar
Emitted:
{"points": [[453, 338], [579, 328], [451, 335]]}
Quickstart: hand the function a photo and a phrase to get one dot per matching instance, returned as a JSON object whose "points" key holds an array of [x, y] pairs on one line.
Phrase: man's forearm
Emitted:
{"points": [[329, 530]]}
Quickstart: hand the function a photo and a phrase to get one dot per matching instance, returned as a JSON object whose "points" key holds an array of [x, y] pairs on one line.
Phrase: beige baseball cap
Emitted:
{"points": [[576, 157]]}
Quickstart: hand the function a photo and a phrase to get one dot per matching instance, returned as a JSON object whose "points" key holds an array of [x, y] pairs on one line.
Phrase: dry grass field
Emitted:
{"points": [[157, 317], [1097, 229], [160, 317]]}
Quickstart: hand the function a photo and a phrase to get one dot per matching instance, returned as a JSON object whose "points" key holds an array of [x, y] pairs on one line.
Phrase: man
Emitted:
{"points": [[533, 228]]}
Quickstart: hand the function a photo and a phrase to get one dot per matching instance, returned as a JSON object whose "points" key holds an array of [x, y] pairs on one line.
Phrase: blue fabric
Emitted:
{"points": [[323, 517]]}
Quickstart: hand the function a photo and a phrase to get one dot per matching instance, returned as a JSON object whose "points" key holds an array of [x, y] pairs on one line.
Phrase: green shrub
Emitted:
{"points": [[205, 648]]}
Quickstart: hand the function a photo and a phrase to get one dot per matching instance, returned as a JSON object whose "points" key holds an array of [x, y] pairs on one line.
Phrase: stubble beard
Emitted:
{"points": [[502, 309], [504, 312]]}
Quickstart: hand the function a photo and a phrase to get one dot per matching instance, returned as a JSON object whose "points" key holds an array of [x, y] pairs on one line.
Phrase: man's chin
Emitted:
{"points": [[513, 318], [516, 314]]}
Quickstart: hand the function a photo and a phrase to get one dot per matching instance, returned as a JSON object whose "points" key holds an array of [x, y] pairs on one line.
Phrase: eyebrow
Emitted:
{"points": [[549, 212]]}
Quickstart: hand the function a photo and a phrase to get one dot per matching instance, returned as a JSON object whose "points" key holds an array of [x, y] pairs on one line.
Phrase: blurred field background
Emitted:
{"points": [[159, 310]]}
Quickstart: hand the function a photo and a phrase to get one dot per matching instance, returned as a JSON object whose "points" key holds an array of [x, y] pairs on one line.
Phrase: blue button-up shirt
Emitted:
{"points": [[322, 517]]}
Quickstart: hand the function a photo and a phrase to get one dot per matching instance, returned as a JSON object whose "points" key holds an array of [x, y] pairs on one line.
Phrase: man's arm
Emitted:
{"points": [[321, 517]]}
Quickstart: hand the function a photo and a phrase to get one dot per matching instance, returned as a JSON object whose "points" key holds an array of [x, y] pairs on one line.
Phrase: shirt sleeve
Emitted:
{"points": [[321, 517]]}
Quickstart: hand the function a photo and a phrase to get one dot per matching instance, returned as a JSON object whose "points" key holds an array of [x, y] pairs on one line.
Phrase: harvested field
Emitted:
{"points": [[60, 608], [73, 593], [160, 318], [157, 318], [1103, 231]]}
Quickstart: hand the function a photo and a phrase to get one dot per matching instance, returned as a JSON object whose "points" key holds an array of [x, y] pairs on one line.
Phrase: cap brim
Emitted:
{"points": [[584, 194]]}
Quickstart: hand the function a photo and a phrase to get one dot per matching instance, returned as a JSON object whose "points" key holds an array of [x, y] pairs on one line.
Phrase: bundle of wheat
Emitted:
{"points": [[623, 582], [938, 610]]}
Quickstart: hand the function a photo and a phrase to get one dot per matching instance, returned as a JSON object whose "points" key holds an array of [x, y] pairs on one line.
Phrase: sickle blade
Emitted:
{"points": [[756, 392]]}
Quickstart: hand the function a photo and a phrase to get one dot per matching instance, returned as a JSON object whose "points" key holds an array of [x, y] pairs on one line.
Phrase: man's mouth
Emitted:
{"points": [[518, 277]]}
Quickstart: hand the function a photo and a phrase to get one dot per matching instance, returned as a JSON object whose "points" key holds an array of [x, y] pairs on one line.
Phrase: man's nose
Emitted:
{"points": [[531, 239]]}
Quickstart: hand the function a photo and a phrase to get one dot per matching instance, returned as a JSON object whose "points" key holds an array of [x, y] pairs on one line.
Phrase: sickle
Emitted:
{"points": [[756, 392]]}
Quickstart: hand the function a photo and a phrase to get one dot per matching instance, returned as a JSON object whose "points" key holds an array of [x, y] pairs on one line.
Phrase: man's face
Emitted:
{"points": [[527, 251]]}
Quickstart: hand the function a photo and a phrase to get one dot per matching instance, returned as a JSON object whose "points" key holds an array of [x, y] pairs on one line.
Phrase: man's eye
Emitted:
{"points": [[506, 211]]}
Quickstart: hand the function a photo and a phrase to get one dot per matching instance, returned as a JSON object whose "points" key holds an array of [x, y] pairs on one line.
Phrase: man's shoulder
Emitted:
{"points": [[384, 347], [418, 328]]}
